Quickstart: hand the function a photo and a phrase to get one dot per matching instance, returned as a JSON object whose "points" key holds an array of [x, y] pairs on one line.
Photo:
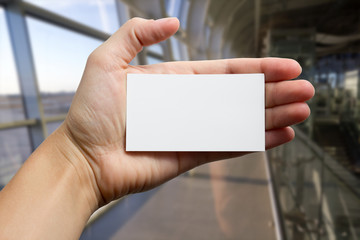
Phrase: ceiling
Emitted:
{"points": [[243, 28]]}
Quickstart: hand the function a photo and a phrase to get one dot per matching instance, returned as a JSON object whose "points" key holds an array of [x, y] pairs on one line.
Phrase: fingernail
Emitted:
{"points": [[163, 19]]}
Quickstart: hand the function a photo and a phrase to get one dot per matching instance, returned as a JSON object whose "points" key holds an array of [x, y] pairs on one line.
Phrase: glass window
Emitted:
{"points": [[11, 107], [14, 150], [170, 6], [179, 50], [52, 126], [156, 48], [176, 49], [152, 60], [100, 14], [60, 56], [183, 13], [179, 9]]}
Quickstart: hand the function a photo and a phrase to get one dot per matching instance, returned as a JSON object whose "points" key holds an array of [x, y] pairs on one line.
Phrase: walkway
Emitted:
{"points": [[223, 200]]}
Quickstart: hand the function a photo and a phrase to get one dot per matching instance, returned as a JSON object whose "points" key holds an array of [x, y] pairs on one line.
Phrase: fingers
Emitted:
{"points": [[275, 69], [286, 115], [285, 92], [123, 45], [277, 137], [273, 138], [285, 106]]}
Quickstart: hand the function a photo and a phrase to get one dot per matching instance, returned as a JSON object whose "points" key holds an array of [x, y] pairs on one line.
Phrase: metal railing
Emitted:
{"points": [[35, 118], [317, 197]]}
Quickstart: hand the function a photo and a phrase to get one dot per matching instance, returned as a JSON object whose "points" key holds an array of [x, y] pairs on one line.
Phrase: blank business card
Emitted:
{"points": [[216, 112]]}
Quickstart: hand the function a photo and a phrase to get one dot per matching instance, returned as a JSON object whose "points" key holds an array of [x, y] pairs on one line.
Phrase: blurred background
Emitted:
{"points": [[306, 189]]}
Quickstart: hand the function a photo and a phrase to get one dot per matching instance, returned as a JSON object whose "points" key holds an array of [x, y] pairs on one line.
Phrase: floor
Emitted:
{"points": [[224, 200]]}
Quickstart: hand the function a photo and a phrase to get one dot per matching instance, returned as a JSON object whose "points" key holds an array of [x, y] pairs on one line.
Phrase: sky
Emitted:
{"points": [[8, 78], [59, 54]]}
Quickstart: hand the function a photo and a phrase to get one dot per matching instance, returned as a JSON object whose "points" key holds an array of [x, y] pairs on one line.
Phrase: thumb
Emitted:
{"points": [[129, 40]]}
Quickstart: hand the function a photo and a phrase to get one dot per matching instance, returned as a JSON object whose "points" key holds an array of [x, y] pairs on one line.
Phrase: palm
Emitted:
{"points": [[96, 119]]}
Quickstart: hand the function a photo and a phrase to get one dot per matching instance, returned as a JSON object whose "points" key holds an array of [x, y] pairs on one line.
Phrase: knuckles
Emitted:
{"points": [[96, 58], [136, 21]]}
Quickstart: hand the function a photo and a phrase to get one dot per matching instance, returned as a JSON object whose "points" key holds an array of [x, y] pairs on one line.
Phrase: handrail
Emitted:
{"points": [[20, 123], [332, 204], [350, 178], [51, 17], [275, 202]]}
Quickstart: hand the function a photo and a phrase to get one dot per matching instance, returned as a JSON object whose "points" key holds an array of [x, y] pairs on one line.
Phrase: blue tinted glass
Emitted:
{"points": [[60, 56], [151, 60], [100, 14], [156, 48], [11, 107], [14, 150], [52, 126], [179, 50]]}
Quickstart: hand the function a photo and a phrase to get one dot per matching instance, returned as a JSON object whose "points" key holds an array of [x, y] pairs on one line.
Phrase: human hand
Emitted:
{"points": [[96, 121]]}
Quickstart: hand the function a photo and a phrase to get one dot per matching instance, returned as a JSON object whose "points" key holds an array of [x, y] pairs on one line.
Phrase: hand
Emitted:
{"points": [[96, 120]]}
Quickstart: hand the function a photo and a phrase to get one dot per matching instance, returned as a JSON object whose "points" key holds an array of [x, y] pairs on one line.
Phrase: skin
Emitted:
{"points": [[83, 164]]}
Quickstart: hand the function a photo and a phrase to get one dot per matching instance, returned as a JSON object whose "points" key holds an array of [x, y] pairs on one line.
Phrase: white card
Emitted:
{"points": [[203, 112]]}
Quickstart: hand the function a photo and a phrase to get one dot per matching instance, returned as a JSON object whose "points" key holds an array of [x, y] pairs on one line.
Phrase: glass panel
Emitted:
{"points": [[179, 9], [176, 49], [11, 106], [52, 126], [340, 209], [100, 14], [60, 57], [170, 7], [318, 198], [14, 150], [332, 175], [56, 103], [156, 48], [183, 13], [297, 181], [151, 60], [179, 50]]}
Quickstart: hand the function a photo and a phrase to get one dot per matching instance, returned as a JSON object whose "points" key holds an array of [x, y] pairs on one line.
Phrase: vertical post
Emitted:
{"points": [[26, 71], [166, 45], [299, 193], [257, 21], [194, 25], [122, 12], [123, 15]]}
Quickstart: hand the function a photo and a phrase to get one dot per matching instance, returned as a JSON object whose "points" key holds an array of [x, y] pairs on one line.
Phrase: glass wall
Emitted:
{"points": [[57, 86], [14, 149], [317, 176], [58, 54], [100, 14], [318, 198], [11, 105], [57, 59], [15, 145]]}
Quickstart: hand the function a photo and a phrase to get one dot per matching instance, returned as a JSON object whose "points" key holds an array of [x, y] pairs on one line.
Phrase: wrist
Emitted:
{"points": [[74, 159]]}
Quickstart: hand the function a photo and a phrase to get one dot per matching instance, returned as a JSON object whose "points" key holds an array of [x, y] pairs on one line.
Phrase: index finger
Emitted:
{"points": [[275, 69]]}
